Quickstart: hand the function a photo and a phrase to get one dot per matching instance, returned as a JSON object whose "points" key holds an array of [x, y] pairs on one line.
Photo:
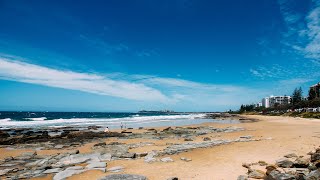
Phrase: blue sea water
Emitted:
{"points": [[104, 119]]}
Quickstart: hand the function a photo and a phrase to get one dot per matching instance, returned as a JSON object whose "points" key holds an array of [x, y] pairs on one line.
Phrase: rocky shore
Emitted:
{"points": [[228, 116], [71, 161], [211, 150], [290, 167]]}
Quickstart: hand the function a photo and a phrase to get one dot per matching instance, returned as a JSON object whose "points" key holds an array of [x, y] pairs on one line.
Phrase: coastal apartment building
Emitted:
{"points": [[279, 100], [259, 104], [316, 89], [272, 101], [266, 102]]}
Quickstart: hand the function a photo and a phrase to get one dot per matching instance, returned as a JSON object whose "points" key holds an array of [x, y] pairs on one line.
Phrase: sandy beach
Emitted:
{"points": [[279, 136]]}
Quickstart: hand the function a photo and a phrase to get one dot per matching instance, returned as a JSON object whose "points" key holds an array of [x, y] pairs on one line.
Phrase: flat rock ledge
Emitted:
{"points": [[179, 148]]}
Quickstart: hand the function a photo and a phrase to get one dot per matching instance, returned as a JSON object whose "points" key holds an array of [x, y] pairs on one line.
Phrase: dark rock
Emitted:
{"points": [[55, 170], [100, 144], [4, 134], [315, 157], [301, 163], [296, 171], [317, 164], [173, 178], [128, 155], [140, 128], [29, 133], [291, 155], [153, 130], [246, 137], [167, 129], [140, 155], [116, 143], [45, 134], [194, 128], [64, 133], [7, 171], [188, 139], [91, 135], [206, 139], [70, 130], [277, 175], [312, 167], [285, 163], [126, 132], [314, 175], [10, 158], [270, 168], [301, 177], [94, 127], [246, 165], [124, 177]]}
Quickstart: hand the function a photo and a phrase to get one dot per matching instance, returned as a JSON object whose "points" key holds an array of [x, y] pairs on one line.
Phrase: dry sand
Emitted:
{"points": [[290, 135]]}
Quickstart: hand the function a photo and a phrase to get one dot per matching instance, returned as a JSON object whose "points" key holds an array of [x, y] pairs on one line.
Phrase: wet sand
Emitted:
{"points": [[290, 135]]}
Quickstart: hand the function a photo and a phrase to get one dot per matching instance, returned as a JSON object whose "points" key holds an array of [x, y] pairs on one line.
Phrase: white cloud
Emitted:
{"points": [[303, 31], [92, 83], [171, 82], [170, 92], [312, 49], [273, 71]]}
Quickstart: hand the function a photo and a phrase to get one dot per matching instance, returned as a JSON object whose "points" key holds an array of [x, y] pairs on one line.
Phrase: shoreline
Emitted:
{"points": [[223, 161]]}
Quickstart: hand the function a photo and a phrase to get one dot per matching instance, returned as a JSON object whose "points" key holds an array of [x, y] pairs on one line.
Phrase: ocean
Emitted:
{"points": [[113, 120]]}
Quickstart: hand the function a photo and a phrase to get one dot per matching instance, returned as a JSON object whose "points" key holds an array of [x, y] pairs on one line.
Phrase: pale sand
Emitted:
{"points": [[222, 162]]}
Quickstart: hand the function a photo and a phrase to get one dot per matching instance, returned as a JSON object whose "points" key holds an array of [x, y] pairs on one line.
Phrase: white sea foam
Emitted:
{"points": [[37, 119], [5, 119], [113, 122]]}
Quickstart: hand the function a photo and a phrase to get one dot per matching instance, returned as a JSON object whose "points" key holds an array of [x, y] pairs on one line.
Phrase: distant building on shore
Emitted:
{"points": [[266, 102], [279, 100], [259, 104], [273, 101], [316, 89]]}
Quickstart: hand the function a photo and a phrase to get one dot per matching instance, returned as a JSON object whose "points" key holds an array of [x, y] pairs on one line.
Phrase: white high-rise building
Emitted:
{"points": [[266, 102], [273, 100], [279, 100]]}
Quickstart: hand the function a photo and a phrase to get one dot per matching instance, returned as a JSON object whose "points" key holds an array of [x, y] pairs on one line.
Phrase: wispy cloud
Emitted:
{"points": [[303, 30], [145, 88], [273, 71], [312, 49], [29, 73]]}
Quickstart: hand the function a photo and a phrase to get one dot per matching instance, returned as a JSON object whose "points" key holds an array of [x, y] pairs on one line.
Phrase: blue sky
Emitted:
{"points": [[184, 55]]}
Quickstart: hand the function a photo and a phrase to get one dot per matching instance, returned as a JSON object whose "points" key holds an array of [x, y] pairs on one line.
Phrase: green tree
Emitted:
{"points": [[297, 96], [312, 94]]}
